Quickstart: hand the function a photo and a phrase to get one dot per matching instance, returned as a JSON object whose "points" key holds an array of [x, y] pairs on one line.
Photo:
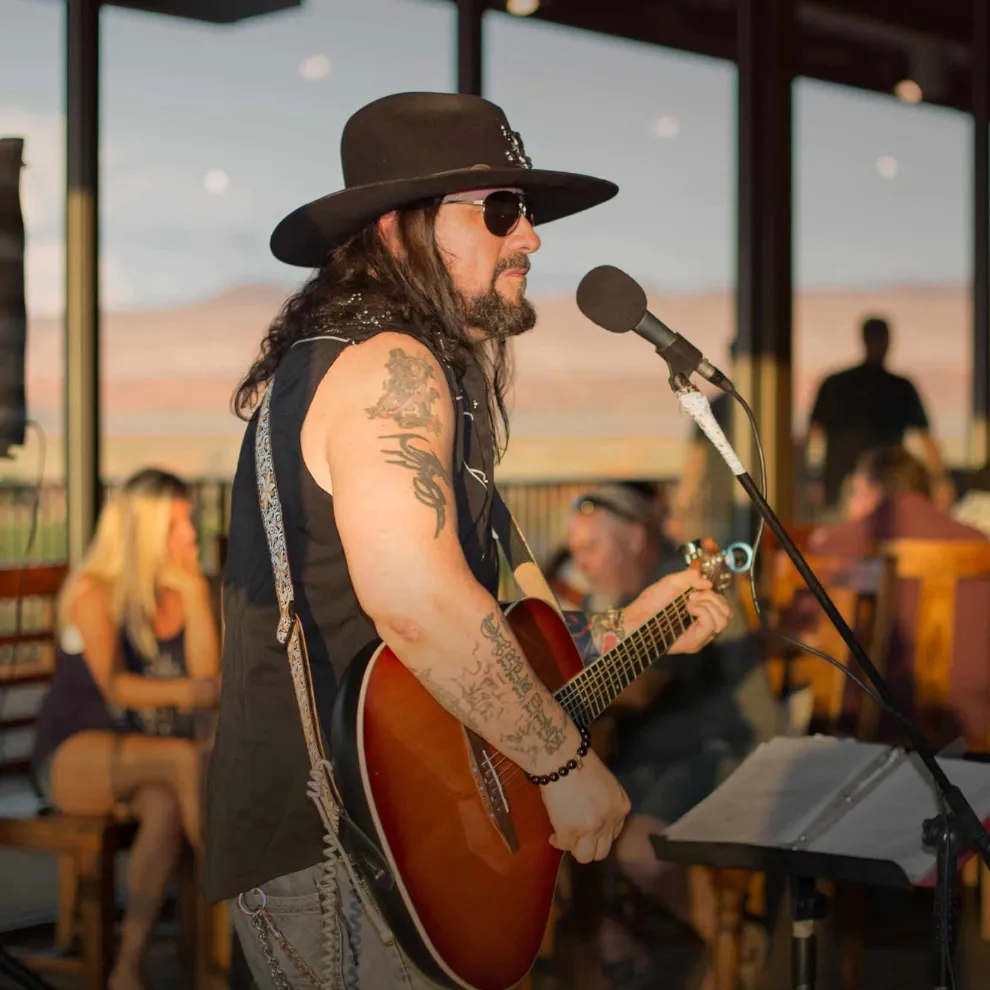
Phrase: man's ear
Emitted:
{"points": [[388, 231]]}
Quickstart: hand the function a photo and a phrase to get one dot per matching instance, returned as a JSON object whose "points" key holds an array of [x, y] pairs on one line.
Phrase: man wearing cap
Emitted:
{"points": [[361, 510], [678, 731]]}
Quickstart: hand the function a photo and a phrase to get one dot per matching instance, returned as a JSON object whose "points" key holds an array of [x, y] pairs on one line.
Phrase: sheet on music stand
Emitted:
{"points": [[832, 796]]}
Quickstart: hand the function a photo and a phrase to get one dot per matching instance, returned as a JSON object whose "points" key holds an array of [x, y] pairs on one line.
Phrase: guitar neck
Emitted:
{"points": [[585, 696]]}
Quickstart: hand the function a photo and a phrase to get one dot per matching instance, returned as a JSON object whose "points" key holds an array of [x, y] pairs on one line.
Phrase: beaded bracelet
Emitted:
{"points": [[549, 778]]}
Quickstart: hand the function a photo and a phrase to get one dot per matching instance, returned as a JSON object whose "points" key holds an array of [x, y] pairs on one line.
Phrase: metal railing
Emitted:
{"points": [[210, 499], [540, 509]]}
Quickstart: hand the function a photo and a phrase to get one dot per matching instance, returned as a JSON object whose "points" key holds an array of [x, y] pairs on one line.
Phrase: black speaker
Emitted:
{"points": [[13, 311]]}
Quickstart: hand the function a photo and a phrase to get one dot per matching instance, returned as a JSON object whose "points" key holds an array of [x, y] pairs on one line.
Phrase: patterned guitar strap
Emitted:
{"points": [[321, 788]]}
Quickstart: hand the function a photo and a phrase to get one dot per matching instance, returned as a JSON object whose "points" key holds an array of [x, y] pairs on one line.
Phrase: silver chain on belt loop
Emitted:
{"points": [[262, 922]]}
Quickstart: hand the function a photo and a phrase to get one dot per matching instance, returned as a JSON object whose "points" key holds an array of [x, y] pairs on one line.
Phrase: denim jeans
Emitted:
{"points": [[293, 903]]}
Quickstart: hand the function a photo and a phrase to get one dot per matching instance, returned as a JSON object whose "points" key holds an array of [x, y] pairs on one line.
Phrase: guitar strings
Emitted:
{"points": [[587, 703], [571, 694], [512, 776]]}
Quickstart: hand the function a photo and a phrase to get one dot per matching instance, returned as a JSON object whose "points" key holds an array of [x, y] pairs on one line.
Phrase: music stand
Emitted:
{"points": [[822, 808]]}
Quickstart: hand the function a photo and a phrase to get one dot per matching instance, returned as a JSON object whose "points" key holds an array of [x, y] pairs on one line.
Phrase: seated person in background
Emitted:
{"points": [[889, 498], [621, 550], [137, 652], [973, 509], [678, 728]]}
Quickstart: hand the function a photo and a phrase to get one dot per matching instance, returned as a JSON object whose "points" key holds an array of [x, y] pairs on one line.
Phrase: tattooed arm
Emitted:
{"points": [[383, 419]]}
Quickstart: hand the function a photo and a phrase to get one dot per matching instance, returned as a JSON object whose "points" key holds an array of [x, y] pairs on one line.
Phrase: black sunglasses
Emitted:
{"points": [[503, 209]]}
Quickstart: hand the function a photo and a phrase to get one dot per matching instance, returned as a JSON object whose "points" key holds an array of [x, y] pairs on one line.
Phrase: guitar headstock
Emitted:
{"points": [[714, 563]]}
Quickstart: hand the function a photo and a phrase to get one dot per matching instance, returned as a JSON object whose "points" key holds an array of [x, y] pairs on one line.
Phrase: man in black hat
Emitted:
{"points": [[362, 511]]}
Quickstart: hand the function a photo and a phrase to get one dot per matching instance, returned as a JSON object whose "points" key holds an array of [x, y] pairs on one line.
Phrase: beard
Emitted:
{"points": [[497, 317]]}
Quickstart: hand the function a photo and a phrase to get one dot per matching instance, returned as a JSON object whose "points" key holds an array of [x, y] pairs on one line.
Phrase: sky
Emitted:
{"points": [[211, 134]]}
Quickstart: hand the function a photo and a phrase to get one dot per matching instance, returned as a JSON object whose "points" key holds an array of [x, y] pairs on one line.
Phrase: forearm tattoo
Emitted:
{"points": [[428, 470], [408, 394], [512, 666], [481, 693], [507, 656]]}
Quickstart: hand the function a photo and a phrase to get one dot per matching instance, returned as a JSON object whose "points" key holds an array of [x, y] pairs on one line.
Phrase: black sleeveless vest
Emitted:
{"points": [[260, 824]]}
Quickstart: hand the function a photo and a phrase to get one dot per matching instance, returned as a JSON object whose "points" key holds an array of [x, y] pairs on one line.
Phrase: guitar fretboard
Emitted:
{"points": [[585, 696]]}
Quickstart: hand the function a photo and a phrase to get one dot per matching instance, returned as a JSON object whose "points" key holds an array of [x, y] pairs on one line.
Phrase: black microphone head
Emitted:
{"points": [[612, 299]]}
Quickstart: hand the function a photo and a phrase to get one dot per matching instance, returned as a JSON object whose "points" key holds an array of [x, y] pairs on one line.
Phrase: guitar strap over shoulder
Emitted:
{"points": [[322, 788], [514, 545], [504, 527]]}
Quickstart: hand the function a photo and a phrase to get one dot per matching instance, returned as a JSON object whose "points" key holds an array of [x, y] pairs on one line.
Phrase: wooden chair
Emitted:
{"points": [[770, 550], [862, 589], [767, 554], [85, 846], [938, 566]]}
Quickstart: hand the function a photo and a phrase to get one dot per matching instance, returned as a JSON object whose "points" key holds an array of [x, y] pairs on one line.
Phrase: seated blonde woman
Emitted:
{"points": [[138, 652]]}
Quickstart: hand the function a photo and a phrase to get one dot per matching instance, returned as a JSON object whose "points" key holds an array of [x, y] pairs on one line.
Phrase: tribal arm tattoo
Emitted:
{"points": [[428, 470], [408, 395]]}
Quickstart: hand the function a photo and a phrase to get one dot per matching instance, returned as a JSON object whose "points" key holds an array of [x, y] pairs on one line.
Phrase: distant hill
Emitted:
{"points": [[584, 401]]}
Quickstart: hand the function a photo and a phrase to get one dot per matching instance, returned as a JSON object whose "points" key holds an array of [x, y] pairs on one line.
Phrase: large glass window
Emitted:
{"points": [[31, 108], [882, 228], [209, 135], [660, 124]]}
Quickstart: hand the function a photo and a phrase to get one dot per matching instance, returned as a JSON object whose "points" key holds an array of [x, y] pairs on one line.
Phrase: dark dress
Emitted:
{"points": [[75, 703]]}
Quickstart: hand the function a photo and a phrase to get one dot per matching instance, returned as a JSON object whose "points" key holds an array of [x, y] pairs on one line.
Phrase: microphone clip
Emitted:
{"points": [[684, 359]]}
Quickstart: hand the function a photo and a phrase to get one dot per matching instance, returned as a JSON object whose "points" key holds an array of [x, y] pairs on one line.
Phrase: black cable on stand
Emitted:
{"points": [[939, 835]]}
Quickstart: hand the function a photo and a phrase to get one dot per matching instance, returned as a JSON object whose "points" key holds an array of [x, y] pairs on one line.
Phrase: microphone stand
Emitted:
{"points": [[957, 829]]}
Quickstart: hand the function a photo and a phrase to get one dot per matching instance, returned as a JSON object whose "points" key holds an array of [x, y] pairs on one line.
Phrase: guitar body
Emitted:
{"points": [[470, 872]]}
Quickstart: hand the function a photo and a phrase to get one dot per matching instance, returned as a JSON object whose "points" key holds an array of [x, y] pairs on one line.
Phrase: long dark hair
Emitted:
{"points": [[413, 292]]}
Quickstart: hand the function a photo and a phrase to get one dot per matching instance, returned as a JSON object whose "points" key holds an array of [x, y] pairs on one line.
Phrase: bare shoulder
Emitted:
{"points": [[90, 597], [391, 377]]}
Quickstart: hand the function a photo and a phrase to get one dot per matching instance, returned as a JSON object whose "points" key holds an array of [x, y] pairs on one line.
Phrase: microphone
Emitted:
{"points": [[617, 303]]}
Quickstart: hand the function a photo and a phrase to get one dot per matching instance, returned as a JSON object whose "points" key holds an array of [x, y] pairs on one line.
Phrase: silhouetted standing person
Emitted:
{"points": [[865, 407]]}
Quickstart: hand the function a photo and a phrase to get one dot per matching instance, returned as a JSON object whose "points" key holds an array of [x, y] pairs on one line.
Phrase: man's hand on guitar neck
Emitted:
{"points": [[709, 609]]}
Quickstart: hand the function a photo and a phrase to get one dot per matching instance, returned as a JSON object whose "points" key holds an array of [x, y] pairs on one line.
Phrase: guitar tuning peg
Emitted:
{"points": [[692, 550], [739, 557]]}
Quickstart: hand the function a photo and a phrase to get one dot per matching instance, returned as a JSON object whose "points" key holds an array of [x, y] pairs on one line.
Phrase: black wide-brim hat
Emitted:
{"points": [[411, 147]]}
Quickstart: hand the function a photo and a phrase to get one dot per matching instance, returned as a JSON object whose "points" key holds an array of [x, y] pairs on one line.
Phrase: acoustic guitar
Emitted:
{"points": [[451, 837]]}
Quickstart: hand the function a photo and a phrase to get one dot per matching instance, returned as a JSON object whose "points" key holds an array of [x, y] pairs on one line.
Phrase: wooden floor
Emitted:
{"points": [[897, 953], [898, 950]]}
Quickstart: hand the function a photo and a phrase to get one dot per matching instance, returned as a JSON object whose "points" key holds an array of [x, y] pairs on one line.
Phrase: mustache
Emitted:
{"points": [[519, 261]]}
